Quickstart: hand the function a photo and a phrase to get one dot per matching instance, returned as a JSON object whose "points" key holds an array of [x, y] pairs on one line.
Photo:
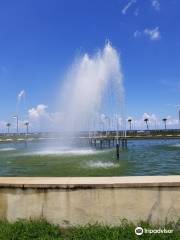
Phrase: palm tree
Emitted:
{"points": [[146, 121], [27, 127], [164, 120], [130, 123], [8, 126]]}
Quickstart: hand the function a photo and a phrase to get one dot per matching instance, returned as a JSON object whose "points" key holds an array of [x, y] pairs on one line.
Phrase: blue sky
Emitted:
{"points": [[39, 39]]}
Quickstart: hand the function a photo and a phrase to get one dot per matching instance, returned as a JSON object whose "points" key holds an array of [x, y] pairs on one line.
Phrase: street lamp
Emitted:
{"points": [[17, 123], [146, 121], [8, 126], [164, 120], [108, 125], [27, 127], [130, 123]]}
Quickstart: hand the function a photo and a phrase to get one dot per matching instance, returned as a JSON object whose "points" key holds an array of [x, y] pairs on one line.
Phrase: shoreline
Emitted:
{"points": [[31, 139]]}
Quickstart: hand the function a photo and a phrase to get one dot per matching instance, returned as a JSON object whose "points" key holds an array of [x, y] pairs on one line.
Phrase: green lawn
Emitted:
{"points": [[41, 229]]}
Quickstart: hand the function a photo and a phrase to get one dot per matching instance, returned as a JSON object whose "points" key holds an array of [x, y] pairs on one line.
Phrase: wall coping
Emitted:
{"points": [[90, 182]]}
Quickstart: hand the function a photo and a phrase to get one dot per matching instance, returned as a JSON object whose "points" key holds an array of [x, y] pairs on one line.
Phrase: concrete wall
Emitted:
{"points": [[71, 201]]}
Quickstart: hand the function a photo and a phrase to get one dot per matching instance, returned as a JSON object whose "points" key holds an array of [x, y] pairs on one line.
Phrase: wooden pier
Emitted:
{"points": [[104, 142], [110, 142]]}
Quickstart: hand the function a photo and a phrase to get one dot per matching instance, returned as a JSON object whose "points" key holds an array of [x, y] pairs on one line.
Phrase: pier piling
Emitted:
{"points": [[101, 142], [124, 143], [117, 151]]}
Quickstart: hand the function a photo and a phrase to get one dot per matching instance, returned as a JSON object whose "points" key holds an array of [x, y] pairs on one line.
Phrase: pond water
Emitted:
{"points": [[142, 157]]}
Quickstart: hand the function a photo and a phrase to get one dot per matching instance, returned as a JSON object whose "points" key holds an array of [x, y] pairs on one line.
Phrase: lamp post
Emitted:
{"points": [[146, 121], [130, 123], [8, 126], [108, 125], [17, 123], [27, 127], [117, 128], [164, 120]]}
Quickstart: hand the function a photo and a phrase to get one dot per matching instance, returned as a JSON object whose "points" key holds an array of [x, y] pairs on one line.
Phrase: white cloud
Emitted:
{"points": [[151, 117], [153, 34], [127, 6], [37, 112], [39, 118], [155, 4], [2, 125], [171, 121], [42, 120]]}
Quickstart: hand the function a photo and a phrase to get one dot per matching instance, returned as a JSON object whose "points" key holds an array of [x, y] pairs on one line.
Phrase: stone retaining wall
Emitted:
{"points": [[72, 201]]}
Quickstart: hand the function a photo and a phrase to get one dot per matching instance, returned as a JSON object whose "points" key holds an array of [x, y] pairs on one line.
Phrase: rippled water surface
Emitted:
{"points": [[143, 157]]}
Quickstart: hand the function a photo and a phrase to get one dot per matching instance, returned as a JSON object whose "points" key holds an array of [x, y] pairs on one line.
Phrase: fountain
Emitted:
{"points": [[20, 98], [85, 93], [92, 93]]}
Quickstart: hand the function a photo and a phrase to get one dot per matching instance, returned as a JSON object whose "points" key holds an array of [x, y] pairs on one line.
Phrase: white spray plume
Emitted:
{"points": [[85, 85], [21, 95]]}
